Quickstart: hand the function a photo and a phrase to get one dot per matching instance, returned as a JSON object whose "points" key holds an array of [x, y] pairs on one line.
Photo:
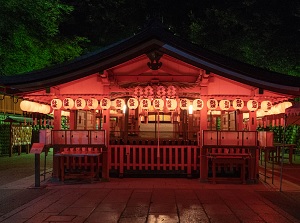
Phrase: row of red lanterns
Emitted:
{"points": [[158, 104]]}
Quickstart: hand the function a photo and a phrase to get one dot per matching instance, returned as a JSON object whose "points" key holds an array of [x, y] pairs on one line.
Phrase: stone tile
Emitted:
{"points": [[208, 196], [163, 196], [137, 211], [189, 204], [141, 193], [182, 195], [139, 202], [118, 196], [247, 215], [274, 218], [132, 220], [156, 207], [78, 211], [223, 218], [39, 217], [79, 219], [91, 199], [163, 218], [103, 216], [118, 207], [14, 219], [236, 205], [60, 218], [262, 209], [212, 209], [193, 216]]}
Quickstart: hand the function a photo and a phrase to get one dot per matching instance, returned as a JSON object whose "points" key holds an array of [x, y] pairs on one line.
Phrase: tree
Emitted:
{"points": [[262, 33], [30, 37]]}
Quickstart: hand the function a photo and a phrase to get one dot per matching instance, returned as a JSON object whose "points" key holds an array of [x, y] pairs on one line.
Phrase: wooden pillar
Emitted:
{"points": [[240, 120], [203, 158], [252, 121], [57, 120], [56, 126], [106, 154], [72, 119]]}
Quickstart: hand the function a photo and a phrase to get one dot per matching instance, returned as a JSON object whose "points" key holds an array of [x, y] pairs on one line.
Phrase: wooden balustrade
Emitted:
{"points": [[147, 158]]}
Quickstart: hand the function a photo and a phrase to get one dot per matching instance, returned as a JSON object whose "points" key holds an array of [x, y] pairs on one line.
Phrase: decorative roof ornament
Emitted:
{"points": [[154, 58], [171, 91], [161, 91]]}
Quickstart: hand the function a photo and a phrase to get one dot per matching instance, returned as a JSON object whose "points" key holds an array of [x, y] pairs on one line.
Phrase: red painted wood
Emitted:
{"points": [[152, 158], [121, 159], [189, 161]]}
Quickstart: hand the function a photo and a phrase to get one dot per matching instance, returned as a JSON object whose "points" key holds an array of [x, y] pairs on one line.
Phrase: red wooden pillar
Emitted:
{"points": [[240, 120], [56, 126], [252, 121], [203, 158], [72, 119], [106, 155]]}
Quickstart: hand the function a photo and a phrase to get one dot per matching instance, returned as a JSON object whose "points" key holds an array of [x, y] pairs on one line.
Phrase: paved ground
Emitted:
{"points": [[149, 200]]}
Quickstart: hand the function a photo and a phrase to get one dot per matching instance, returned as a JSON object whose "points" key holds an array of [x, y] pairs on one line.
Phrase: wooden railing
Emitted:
{"points": [[141, 159], [147, 158]]}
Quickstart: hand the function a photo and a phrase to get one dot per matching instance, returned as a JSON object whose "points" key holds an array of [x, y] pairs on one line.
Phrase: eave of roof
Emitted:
{"points": [[154, 37]]}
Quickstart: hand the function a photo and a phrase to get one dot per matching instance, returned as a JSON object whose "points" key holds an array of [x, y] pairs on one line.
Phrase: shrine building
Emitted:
{"points": [[154, 104]]}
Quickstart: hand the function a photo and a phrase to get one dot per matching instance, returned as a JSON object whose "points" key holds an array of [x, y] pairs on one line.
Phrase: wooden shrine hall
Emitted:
{"points": [[154, 104]]}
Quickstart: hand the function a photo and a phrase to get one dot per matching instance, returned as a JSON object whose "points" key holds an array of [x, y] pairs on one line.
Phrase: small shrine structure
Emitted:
{"points": [[155, 104]]}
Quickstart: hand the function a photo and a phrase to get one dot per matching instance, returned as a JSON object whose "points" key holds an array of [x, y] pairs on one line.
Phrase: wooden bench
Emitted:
{"points": [[79, 162], [229, 157]]}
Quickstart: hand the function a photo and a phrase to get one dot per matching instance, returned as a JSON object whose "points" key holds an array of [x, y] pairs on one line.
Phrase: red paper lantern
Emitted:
{"points": [[132, 103], [224, 105], [145, 103], [238, 104], [252, 105], [119, 103], [105, 103], [56, 104], [158, 104], [266, 105], [212, 104], [92, 103], [198, 104], [171, 104], [185, 104], [68, 103], [80, 103]]}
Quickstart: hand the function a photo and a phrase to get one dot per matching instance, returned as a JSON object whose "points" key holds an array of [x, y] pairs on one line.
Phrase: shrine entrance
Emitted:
{"points": [[153, 126]]}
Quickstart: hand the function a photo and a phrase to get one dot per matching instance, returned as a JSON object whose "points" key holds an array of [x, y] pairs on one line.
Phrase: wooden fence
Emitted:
{"points": [[147, 158]]}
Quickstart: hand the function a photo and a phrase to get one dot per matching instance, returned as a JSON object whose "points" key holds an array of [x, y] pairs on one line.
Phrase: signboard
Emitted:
{"points": [[37, 148]]}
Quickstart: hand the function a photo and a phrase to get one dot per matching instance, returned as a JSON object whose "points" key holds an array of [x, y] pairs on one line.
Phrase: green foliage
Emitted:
{"points": [[64, 123], [39, 33], [262, 33], [29, 36], [4, 138], [288, 135]]}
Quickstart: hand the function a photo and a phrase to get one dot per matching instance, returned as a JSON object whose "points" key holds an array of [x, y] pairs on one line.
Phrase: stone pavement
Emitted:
{"points": [[146, 199], [131, 200]]}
